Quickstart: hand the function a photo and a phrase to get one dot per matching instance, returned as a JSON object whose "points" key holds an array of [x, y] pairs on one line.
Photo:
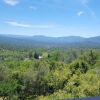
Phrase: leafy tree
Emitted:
{"points": [[80, 66], [90, 57]]}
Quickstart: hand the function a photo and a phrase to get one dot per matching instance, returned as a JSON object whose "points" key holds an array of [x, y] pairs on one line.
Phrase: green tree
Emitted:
{"points": [[36, 55], [80, 66]]}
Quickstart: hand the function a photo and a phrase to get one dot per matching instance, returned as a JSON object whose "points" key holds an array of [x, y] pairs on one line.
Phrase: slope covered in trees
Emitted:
{"points": [[59, 73]]}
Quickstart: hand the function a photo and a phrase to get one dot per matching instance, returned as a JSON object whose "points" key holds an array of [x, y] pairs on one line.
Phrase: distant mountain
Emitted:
{"points": [[70, 41], [94, 39]]}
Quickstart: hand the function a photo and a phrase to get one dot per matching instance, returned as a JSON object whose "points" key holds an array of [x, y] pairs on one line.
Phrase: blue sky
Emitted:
{"points": [[50, 17]]}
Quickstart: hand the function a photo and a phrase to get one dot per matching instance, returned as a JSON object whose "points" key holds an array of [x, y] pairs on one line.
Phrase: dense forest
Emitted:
{"points": [[48, 73]]}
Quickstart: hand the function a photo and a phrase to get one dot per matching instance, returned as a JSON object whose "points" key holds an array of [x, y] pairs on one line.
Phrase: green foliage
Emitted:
{"points": [[91, 57], [60, 74], [36, 55], [79, 66], [8, 88]]}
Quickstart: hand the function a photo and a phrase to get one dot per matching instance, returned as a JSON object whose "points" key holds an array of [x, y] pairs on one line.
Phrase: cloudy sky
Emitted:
{"points": [[50, 17]]}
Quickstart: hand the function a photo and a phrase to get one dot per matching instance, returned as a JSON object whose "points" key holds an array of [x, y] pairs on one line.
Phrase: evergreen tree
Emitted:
{"points": [[36, 55]]}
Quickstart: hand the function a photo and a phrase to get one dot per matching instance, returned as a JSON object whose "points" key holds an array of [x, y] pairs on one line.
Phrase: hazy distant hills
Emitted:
{"points": [[70, 41]]}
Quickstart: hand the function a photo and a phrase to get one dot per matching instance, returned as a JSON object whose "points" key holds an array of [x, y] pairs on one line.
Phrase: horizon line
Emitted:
{"points": [[22, 35]]}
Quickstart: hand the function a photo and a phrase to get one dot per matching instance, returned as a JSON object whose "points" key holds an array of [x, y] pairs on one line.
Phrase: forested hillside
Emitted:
{"points": [[48, 42], [48, 73]]}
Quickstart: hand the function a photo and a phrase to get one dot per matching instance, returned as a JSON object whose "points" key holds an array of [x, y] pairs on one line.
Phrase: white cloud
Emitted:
{"points": [[85, 4], [17, 24], [13, 23], [80, 13], [11, 2], [33, 7]]}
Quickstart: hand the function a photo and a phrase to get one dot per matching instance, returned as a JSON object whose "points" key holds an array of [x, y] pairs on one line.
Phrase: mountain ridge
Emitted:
{"points": [[51, 41]]}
